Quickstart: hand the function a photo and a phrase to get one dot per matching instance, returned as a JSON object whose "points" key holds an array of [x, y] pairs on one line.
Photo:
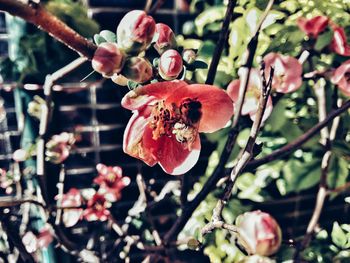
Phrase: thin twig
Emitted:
{"points": [[247, 153], [326, 139], [185, 188], [51, 24], [292, 146], [143, 192], [230, 142], [156, 6], [221, 42]]}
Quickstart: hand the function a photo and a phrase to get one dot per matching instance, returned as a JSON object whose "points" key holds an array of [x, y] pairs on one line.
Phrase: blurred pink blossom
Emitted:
{"points": [[287, 74], [341, 77], [71, 199], [57, 149], [314, 26], [251, 102], [97, 208], [111, 181]]}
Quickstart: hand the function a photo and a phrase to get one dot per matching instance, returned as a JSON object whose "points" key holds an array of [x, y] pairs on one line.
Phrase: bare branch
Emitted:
{"points": [[221, 42], [291, 147]]}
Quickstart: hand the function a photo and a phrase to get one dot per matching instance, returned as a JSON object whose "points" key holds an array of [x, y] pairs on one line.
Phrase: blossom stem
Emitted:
{"points": [[221, 42], [327, 137], [38, 16], [245, 156]]}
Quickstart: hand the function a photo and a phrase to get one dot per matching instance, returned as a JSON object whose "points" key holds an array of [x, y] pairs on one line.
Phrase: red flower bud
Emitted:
{"points": [[108, 59], [259, 233], [314, 26], [138, 69], [189, 56], [339, 43], [170, 64], [166, 38], [135, 31], [341, 77]]}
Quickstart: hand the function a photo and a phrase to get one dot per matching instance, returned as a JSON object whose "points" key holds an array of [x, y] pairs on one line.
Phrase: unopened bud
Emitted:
{"points": [[170, 64], [138, 69], [189, 56], [108, 59], [258, 233], [119, 79], [135, 31], [166, 38]]}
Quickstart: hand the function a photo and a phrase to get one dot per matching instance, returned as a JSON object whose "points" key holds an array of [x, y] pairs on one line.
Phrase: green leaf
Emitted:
{"points": [[338, 235], [301, 175], [324, 40], [98, 39], [132, 84], [200, 64], [208, 17], [338, 173], [109, 36]]}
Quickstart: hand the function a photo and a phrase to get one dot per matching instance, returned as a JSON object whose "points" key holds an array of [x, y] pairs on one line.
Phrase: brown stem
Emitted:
{"points": [[38, 16], [326, 139], [221, 42], [246, 154], [291, 147]]}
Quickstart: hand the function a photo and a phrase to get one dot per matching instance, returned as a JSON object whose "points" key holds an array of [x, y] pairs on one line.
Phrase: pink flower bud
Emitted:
{"points": [[20, 155], [339, 43], [170, 64], [189, 56], [108, 59], [138, 69], [259, 233], [166, 38], [314, 26], [135, 31], [341, 77]]}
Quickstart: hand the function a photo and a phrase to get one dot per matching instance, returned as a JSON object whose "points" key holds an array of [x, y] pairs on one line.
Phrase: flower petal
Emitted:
{"points": [[134, 137], [173, 156], [145, 95], [211, 98]]}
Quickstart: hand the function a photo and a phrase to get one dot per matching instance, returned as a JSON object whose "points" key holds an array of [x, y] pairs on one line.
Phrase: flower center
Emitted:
{"points": [[181, 122], [110, 179], [347, 76]]}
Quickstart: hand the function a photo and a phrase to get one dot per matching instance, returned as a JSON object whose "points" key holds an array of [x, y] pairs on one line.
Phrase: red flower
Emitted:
{"points": [[251, 102], [135, 31], [341, 77], [97, 208], [111, 181], [166, 38], [71, 199], [314, 26], [287, 74], [167, 119], [259, 233], [339, 44]]}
